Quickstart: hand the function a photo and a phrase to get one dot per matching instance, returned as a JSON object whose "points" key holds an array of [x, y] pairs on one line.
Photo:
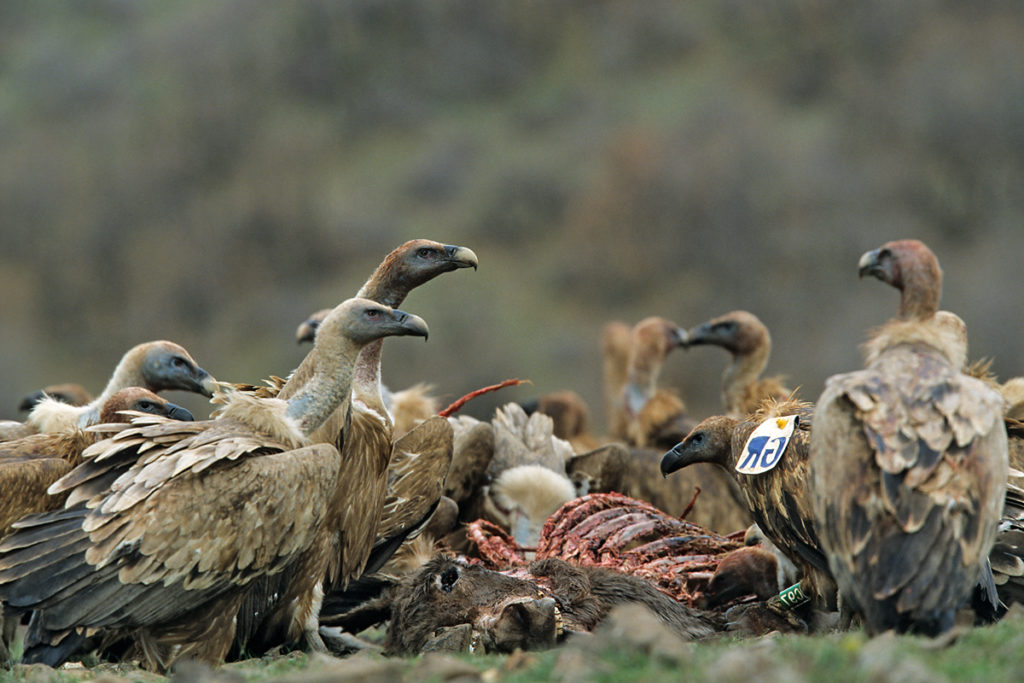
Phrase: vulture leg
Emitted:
{"points": [[5, 654], [341, 644], [314, 642]]}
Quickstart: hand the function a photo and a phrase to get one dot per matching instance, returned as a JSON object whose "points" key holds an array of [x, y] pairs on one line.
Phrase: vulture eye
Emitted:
{"points": [[697, 438], [178, 362], [146, 406], [884, 253], [425, 252], [372, 313]]}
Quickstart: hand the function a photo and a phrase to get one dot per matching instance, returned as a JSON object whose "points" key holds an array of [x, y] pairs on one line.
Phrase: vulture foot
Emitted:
{"points": [[314, 643], [341, 643], [760, 618], [788, 614]]}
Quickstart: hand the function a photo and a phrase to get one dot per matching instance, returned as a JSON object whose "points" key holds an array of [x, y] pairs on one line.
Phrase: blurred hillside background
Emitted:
{"points": [[212, 172]]}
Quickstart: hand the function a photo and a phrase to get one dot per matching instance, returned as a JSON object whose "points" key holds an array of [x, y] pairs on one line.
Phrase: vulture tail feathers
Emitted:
{"points": [[903, 566], [932, 568], [985, 598]]}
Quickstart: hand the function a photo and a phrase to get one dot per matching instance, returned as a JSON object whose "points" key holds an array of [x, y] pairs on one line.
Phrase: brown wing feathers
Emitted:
{"points": [[198, 513], [909, 460]]}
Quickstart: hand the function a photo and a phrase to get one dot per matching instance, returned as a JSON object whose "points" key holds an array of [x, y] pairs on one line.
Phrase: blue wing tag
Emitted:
{"points": [[764, 448]]}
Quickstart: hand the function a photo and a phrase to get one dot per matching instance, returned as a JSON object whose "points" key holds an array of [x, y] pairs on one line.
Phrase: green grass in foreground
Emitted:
{"points": [[994, 653]]}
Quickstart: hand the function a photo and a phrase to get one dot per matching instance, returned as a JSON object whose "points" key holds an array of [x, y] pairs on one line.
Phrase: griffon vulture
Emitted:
{"points": [[367, 448], [363, 435], [526, 475], [778, 499], [511, 471], [654, 416], [747, 339], [157, 366], [908, 461], [168, 523]]}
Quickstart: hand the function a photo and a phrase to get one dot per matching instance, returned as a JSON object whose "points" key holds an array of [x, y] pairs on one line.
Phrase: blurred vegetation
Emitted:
{"points": [[211, 173]]}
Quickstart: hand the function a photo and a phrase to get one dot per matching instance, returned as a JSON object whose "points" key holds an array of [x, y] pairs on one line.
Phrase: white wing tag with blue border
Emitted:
{"points": [[764, 448]]}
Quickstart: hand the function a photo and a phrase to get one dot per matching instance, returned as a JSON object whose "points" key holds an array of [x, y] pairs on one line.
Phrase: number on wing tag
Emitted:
{"points": [[766, 444]]}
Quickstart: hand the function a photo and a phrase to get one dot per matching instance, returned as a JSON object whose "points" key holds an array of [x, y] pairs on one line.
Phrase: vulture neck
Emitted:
{"points": [[384, 287], [615, 354], [743, 371], [643, 381], [128, 373], [920, 293], [325, 391], [366, 378]]}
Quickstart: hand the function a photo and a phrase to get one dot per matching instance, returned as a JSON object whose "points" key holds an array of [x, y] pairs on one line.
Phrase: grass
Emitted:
{"points": [[980, 654]]}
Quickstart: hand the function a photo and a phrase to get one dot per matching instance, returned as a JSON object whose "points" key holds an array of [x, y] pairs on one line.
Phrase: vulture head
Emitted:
{"points": [[307, 330], [710, 441], [362, 321], [165, 365], [652, 340], [911, 267], [413, 264], [738, 332], [71, 394], [141, 400], [348, 328]]}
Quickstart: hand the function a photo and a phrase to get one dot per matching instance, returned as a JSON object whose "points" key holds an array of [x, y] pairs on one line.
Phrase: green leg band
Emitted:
{"points": [[793, 597]]}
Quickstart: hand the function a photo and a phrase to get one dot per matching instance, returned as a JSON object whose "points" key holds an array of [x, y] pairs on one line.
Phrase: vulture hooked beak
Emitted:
{"points": [[874, 263], [307, 330], [407, 324], [679, 337], [461, 257], [684, 453], [176, 412], [674, 459], [707, 442], [702, 334], [205, 382]]}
